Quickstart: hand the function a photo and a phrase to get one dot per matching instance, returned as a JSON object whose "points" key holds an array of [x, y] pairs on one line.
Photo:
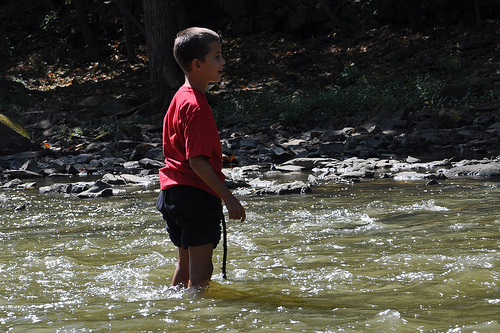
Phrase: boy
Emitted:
{"points": [[192, 182]]}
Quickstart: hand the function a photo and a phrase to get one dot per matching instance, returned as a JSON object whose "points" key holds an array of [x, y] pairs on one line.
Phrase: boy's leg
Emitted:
{"points": [[182, 207], [200, 264], [181, 275]]}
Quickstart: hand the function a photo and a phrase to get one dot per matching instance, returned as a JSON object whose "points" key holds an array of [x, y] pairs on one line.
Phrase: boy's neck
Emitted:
{"points": [[192, 82]]}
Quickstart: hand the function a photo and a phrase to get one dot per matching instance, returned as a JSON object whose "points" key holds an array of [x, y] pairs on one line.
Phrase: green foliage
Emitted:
{"points": [[351, 74], [50, 22], [8, 107], [127, 126], [360, 99], [76, 132], [450, 63], [12, 102]]}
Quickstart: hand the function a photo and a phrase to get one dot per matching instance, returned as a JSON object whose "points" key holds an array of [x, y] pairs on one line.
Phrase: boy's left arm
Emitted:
{"points": [[203, 169]]}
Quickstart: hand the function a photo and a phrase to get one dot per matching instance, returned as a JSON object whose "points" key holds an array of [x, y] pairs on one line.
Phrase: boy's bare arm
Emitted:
{"points": [[203, 169]]}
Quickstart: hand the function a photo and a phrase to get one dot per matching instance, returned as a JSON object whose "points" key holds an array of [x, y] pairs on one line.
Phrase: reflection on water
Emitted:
{"points": [[375, 256]]}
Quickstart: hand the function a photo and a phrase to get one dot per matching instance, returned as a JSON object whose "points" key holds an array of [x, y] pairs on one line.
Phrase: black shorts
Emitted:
{"points": [[193, 215]]}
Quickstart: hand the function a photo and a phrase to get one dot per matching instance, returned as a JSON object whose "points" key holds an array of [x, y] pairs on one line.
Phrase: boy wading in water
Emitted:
{"points": [[192, 182]]}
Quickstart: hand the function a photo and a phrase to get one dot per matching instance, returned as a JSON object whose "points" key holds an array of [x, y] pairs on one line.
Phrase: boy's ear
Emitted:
{"points": [[195, 64]]}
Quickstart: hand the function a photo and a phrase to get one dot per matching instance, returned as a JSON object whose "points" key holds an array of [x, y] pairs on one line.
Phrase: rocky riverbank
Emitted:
{"points": [[379, 147], [255, 179]]}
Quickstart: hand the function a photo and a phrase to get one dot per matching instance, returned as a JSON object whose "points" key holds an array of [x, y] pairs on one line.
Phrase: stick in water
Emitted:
{"points": [[224, 241]]}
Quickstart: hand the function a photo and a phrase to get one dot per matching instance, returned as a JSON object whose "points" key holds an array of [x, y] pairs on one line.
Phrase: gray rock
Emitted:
{"points": [[95, 163], [43, 124], [48, 172], [20, 207], [56, 189], [156, 154], [297, 187], [6, 161], [30, 165], [91, 101], [312, 180], [81, 158], [330, 149], [100, 189], [308, 163], [30, 185], [148, 163], [58, 165], [334, 135], [95, 146], [135, 179], [23, 174], [480, 170], [363, 173], [132, 165], [281, 155], [495, 126], [81, 187], [12, 184], [233, 184], [127, 144], [298, 151], [411, 159], [293, 143], [289, 168], [66, 188], [249, 142], [113, 179]]}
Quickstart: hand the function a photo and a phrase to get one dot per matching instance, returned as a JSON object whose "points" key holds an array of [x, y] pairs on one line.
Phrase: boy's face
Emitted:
{"points": [[213, 64]]}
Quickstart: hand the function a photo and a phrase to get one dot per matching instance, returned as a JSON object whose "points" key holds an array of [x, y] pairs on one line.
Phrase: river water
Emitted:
{"points": [[371, 256]]}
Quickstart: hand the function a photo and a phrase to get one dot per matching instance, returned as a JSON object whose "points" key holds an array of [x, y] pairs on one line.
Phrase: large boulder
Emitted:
{"points": [[13, 137]]}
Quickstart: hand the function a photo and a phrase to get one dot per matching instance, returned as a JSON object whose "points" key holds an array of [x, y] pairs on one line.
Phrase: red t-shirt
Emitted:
{"points": [[189, 130]]}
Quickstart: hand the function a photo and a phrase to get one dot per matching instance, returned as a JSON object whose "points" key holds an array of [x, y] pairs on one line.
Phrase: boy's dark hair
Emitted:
{"points": [[193, 43]]}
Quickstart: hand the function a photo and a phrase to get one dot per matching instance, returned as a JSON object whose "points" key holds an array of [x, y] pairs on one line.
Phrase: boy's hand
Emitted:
{"points": [[203, 169], [235, 209]]}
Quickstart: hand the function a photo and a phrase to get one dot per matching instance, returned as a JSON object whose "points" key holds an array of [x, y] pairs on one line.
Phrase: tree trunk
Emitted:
{"points": [[412, 10], [128, 38], [165, 76], [83, 21], [181, 14], [126, 13], [477, 10]]}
